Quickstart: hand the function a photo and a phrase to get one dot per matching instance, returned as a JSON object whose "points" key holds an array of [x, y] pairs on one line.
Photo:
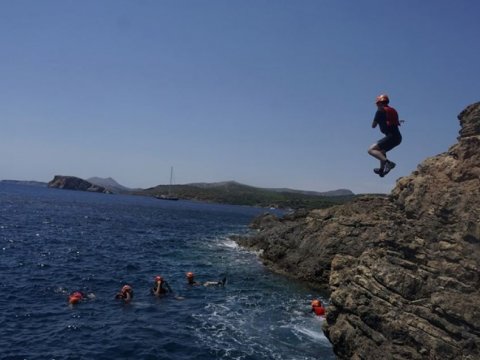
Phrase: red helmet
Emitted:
{"points": [[75, 297], [189, 274], [158, 278], [383, 98], [126, 288]]}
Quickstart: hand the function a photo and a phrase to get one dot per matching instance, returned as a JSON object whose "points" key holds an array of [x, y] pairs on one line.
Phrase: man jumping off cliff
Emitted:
{"points": [[387, 119]]}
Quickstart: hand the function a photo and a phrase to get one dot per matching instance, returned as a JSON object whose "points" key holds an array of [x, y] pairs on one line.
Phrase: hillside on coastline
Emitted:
{"points": [[339, 192], [234, 193], [109, 184], [24, 182], [404, 270], [229, 192]]}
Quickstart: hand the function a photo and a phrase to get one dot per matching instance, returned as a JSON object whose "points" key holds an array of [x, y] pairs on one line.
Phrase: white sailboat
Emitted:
{"points": [[170, 195]]}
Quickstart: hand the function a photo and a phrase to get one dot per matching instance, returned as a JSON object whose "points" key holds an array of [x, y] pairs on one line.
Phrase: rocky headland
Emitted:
{"points": [[75, 183], [403, 271]]}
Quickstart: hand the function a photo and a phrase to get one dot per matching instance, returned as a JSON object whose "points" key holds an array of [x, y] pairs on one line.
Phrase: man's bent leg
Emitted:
{"points": [[378, 153]]}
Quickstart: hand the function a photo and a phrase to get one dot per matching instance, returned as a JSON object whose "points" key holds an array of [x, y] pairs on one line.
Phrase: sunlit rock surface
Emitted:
{"points": [[403, 270]]}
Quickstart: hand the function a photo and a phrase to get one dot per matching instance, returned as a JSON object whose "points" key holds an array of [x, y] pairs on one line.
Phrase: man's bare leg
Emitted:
{"points": [[379, 154]]}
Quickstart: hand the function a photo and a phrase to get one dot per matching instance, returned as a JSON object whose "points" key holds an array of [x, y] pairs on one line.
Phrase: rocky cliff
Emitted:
{"points": [[404, 270], [75, 183]]}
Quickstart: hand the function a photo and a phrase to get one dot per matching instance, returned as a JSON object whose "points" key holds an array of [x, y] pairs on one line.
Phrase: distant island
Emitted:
{"points": [[25, 182], [231, 192], [227, 192], [109, 184], [75, 183]]}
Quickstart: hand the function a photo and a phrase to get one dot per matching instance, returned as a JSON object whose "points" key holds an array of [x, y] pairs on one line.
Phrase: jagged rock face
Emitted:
{"points": [[74, 183], [416, 294], [302, 245], [469, 121], [404, 272]]}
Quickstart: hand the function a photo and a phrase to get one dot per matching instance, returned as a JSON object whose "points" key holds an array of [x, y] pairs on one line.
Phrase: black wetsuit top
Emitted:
{"points": [[392, 133], [381, 120]]}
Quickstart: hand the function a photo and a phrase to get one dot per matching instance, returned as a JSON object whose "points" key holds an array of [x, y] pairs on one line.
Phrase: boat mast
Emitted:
{"points": [[171, 181]]}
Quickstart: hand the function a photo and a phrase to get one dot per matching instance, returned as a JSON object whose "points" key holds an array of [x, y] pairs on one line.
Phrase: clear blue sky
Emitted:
{"points": [[268, 93]]}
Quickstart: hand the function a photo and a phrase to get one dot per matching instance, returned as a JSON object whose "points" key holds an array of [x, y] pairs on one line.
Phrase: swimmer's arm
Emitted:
{"points": [[374, 124]]}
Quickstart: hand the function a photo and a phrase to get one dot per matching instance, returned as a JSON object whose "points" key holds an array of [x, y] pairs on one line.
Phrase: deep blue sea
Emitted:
{"points": [[53, 242]]}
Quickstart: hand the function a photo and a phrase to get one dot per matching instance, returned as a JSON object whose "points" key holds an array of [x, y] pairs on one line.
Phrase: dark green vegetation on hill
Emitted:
{"points": [[239, 194]]}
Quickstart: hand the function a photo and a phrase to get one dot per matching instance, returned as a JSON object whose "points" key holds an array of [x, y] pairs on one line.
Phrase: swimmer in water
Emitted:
{"points": [[75, 297], [318, 308], [191, 281], [125, 294], [160, 286]]}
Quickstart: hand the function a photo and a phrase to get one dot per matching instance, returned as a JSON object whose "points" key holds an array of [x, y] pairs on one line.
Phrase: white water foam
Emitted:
{"points": [[228, 243]]}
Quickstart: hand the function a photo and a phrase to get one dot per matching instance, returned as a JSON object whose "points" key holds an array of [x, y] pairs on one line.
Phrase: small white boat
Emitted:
{"points": [[169, 196]]}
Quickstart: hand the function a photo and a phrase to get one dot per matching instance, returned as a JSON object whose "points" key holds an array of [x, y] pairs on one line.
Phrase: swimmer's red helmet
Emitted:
{"points": [[158, 278], [190, 274], [75, 298], [126, 288]]}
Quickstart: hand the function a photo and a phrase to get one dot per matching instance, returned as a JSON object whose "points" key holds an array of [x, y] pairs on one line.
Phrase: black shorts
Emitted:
{"points": [[389, 142]]}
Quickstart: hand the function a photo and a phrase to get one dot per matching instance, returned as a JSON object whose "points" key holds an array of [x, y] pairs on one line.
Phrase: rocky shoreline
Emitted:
{"points": [[403, 271]]}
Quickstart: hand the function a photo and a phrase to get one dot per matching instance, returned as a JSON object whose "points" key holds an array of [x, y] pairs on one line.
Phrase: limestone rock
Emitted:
{"points": [[404, 270], [470, 125]]}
